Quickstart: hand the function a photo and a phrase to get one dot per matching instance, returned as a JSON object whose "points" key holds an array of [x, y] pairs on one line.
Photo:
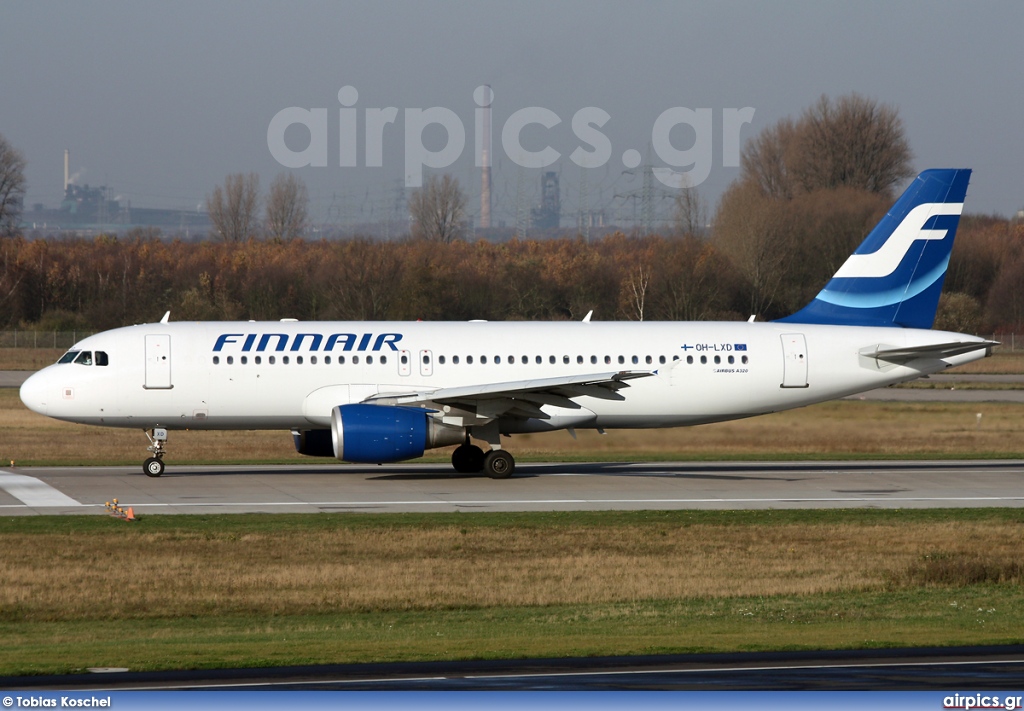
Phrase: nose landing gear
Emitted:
{"points": [[154, 466]]}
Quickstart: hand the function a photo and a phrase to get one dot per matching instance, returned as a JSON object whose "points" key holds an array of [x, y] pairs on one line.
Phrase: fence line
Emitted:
{"points": [[41, 339]]}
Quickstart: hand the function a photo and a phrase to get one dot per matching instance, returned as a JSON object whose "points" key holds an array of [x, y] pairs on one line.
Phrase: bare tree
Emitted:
{"points": [[852, 142], [438, 209], [691, 211], [287, 206], [12, 187], [233, 209]]}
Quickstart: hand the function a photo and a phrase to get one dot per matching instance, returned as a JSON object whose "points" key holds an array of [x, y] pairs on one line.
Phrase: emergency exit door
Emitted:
{"points": [[158, 362], [794, 360]]}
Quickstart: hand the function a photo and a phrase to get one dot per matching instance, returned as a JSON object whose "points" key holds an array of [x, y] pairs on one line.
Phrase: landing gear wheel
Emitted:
{"points": [[153, 467], [499, 464], [468, 459]]}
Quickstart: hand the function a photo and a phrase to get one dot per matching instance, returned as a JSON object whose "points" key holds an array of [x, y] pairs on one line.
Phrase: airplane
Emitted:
{"points": [[376, 392]]}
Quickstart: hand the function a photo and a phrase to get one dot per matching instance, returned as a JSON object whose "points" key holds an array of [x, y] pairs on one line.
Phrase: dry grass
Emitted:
{"points": [[1003, 361], [125, 573], [845, 429]]}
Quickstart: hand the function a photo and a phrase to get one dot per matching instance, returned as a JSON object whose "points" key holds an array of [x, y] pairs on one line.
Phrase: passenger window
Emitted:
{"points": [[455, 360], [593, 360], [469, 360], [703, 360], [68, 357], [551, 360], [355, 360], [245, 360], [327, 360], [497, 360], [621, 360], [607, 360], [539, 360], [426, 360], [84, 358], [341, 360], [298, 360], [526, 360], [284, 360], [216, 360], [101, 358], [440, 360], [231, 360], [744, 360], [661, 360], [650, 360], [731, 360], [579, 360], [483, 360], [383, 360], [369, 360], [635, 360], [565, 360], [718, 359], [259, 360], [312, 360], [272, 360], [689, 360]]}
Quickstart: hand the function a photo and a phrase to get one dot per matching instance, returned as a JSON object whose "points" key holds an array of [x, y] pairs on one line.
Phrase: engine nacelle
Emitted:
{"points": [[313, 443], [373, 434]]}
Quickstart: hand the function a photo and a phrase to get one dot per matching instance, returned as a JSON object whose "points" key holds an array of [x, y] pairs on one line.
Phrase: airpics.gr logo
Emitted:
{"points": [[586, 124]]}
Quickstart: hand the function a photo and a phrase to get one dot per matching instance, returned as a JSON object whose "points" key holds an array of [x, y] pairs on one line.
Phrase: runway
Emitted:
{"points": [[535, 487], [975, 668]]}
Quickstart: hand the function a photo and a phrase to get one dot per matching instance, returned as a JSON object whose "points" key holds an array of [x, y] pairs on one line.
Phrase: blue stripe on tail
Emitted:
{"points": [[894, 278]]}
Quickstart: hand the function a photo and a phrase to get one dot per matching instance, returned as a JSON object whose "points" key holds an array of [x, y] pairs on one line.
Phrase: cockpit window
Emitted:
{"points": [[84, 358], [101, 358], [68, 357]]}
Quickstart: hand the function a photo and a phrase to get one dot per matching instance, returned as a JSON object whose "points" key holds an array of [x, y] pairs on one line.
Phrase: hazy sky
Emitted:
{"points": [[161, 101]]}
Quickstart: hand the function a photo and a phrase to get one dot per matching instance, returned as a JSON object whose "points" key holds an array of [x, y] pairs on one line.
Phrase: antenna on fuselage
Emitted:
{"points": [[166, 318]]}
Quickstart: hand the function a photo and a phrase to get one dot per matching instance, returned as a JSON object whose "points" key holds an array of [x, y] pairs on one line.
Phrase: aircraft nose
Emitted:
{"points": [[36, 392]]}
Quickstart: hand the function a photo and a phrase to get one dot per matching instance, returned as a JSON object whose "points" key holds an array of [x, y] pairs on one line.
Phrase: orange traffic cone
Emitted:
{"points": [[130, 516]]}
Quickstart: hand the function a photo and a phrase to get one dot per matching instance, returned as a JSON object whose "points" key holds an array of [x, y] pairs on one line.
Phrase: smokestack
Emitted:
{"points": [[67, 165], [484, 101]]}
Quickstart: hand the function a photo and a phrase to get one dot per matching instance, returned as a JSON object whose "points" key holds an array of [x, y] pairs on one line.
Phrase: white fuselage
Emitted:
{"points": [[219, 375]]}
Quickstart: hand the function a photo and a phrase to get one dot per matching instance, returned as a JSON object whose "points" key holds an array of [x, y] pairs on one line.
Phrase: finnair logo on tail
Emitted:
{"points": [[885, 261]]}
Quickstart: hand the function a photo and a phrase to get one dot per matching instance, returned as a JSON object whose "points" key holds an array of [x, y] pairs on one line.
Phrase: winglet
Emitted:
{"points": [[895, 276]]}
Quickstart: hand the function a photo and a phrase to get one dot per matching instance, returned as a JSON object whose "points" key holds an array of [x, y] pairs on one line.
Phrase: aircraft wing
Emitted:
{"points": [[519, 398], [936, 350]]}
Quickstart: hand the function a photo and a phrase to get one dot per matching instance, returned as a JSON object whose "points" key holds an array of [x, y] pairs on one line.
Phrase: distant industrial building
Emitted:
{"points": [[548, 215], [91, 210]]}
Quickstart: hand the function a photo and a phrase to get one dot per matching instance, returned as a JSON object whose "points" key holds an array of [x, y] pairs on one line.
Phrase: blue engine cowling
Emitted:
{"points": [[373, 434]]}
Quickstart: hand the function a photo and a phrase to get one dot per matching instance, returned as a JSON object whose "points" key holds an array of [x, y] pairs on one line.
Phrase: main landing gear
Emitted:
{"points": [[154, 466], [470, 459]]}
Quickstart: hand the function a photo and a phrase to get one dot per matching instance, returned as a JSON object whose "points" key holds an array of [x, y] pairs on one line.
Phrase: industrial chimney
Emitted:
{"points": [[67, 165], [484, 96]]}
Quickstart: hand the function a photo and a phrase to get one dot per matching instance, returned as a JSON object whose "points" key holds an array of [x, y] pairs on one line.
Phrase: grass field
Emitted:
{"points": [[251, 590]]}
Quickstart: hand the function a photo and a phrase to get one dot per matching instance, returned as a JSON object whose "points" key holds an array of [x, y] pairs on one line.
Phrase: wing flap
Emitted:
{"points": [[526, 395]]}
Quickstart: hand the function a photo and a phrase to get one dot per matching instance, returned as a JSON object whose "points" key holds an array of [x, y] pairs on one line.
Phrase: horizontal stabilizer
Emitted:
{"points": [[937, 351]]}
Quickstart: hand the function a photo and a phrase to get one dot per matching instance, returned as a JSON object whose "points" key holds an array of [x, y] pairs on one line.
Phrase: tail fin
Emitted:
{"points": [[895, 276]]}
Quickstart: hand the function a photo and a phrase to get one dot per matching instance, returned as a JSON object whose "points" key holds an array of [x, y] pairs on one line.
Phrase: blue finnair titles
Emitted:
{"points": [[895, 276]]}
